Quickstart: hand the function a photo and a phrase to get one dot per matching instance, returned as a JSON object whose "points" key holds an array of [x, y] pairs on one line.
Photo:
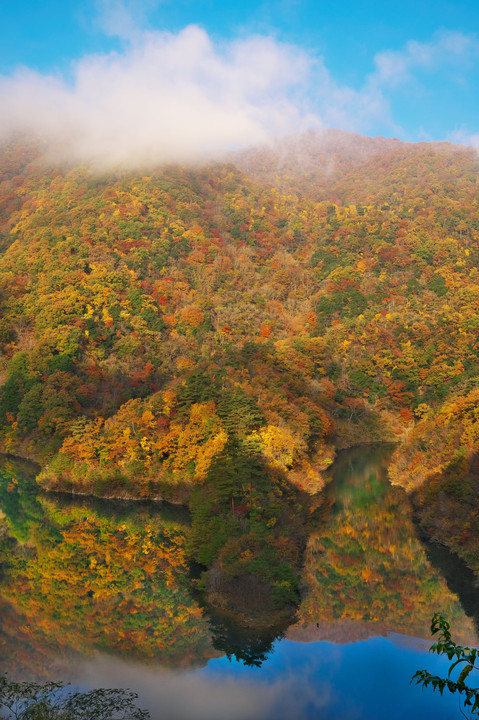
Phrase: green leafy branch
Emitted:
{"points": [[55, 701], [459, 654]]}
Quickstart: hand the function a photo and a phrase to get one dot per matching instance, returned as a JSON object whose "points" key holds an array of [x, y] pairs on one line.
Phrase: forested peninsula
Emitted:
{"points": [[212, 334]]}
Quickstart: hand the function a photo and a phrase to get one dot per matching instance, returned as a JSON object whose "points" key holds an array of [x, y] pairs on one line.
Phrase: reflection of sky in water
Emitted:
{"points": [[362, 681]]}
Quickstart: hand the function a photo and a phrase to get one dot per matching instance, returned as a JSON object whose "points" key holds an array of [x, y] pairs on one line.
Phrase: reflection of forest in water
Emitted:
{"points": [[81, 576], [366, 571], [87, 575]]}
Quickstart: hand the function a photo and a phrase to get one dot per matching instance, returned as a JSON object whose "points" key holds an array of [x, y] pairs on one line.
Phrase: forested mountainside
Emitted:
{"points": [[211, 334]]}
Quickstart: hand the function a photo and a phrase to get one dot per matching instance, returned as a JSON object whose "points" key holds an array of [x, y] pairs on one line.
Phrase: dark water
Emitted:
{"points": [[101, 594]]}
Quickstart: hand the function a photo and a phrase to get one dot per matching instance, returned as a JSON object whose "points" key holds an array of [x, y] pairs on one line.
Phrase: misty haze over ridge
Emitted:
{"points": [[311, 156], [347, 166]]}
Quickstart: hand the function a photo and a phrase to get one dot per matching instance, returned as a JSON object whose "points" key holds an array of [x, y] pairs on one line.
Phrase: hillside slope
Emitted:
{"points": [[157, 330]]}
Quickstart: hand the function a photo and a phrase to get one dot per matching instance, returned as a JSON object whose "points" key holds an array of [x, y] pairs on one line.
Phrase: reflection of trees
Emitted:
{"points": [[19, 505], [84, 575], [447, 505], [447, 510], [250, 645], [87, 577], [364, 562], [460, 579]]}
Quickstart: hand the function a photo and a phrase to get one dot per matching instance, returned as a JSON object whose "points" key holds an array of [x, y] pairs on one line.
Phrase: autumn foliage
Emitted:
{"points": [[150, 321]]}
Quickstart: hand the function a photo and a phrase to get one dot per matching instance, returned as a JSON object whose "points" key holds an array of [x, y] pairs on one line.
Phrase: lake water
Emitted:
{"points": [[100, 594]]}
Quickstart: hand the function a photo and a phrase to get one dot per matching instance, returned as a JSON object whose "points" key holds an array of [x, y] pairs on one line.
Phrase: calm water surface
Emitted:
{"points": [[100, 594]]}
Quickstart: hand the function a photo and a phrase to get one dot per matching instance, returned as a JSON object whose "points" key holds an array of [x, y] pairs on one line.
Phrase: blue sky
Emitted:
{"points": [[186, 76]]}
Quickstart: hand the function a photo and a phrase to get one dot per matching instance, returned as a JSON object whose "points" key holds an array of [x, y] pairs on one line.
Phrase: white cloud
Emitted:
{"points": [[175, 97], [165, 97], [463, 137], [210, 695], [445, 50], [178, 96]]}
